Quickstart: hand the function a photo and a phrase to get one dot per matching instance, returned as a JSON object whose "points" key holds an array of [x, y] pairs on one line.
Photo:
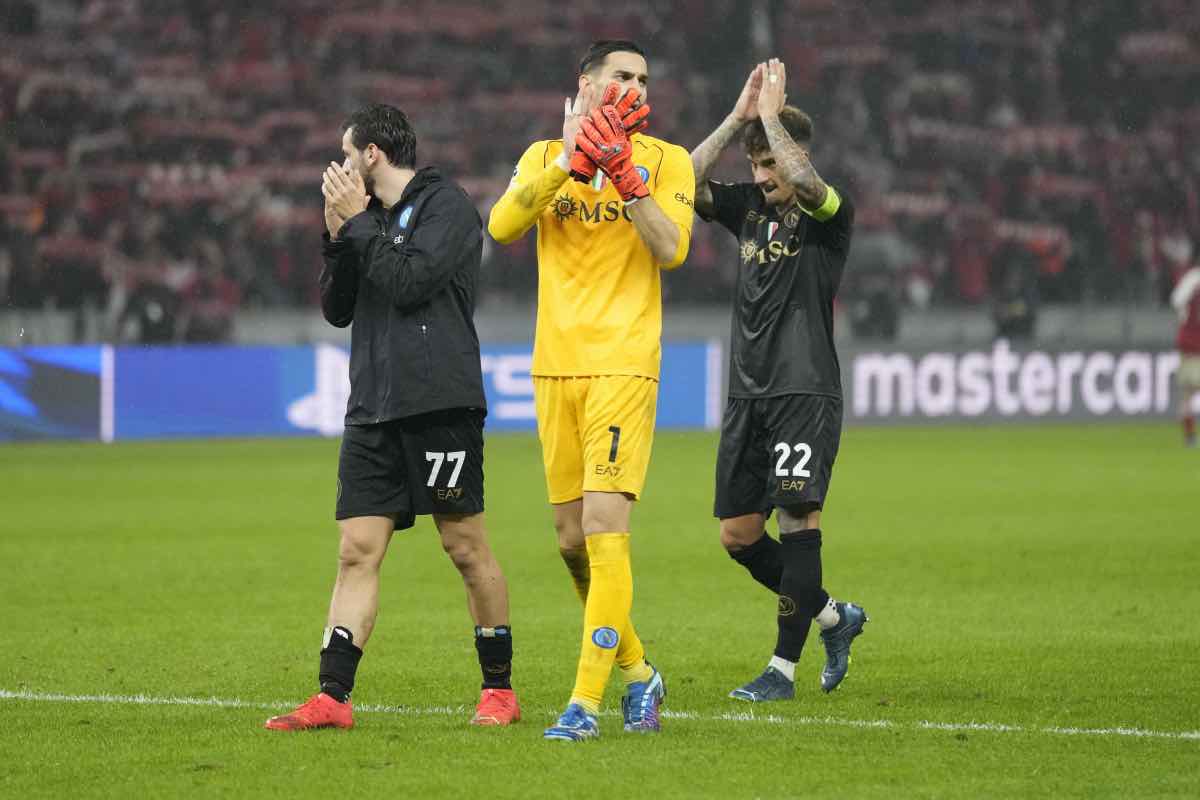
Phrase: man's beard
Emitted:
{"points": [[369, 184]]}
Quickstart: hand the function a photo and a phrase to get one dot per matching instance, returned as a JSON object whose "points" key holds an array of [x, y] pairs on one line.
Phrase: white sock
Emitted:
{"points": [[788, 668], [828, 616]]}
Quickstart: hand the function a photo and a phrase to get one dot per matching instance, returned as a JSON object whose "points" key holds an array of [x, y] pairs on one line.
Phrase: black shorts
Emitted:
{"points": [[427, 464], [776, 452]]}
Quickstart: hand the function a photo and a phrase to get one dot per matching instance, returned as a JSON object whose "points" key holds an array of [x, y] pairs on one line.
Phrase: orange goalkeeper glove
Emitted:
{"points": [[603, 139], [633, 119]]}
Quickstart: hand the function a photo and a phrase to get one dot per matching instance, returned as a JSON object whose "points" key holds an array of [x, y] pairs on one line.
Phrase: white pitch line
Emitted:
{"points": [[727, 716]]}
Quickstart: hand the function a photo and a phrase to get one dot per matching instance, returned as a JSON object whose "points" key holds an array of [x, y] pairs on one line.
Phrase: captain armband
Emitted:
{"points": [[833, 202]]}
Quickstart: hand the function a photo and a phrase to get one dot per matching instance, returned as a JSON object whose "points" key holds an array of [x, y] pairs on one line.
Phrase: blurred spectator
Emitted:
{"points": [[1015, 300], [176, 146]]}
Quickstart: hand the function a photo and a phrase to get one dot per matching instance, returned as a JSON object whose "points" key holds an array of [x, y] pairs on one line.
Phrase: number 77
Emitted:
{"points": [[456, 457]]}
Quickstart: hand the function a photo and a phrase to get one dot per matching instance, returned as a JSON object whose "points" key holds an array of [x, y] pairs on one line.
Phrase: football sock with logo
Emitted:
{"points": [[339, 662], [494, 646], [763, 561], [800, 594], [605, 617], [631, 656]]}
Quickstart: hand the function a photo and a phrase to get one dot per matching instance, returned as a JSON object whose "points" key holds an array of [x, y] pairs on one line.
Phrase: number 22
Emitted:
{"points": [[798, 471]]}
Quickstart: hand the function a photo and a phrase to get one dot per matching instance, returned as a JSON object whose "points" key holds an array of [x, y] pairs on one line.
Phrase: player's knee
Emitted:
{"points": [[570, 533], [736, 536], [610, 512], [567, 529], [356, 553], [465, 554], [730, 541]]}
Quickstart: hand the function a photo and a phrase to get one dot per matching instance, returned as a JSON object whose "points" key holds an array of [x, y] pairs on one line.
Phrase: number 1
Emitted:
{"points": [[612, 451]]}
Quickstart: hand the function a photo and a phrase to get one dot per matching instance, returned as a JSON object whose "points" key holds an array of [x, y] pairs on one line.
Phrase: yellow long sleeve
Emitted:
{"points": [[534, 185]]}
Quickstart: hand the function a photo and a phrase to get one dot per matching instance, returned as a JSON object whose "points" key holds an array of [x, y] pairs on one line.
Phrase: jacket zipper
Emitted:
{"points": [[428, 353]]}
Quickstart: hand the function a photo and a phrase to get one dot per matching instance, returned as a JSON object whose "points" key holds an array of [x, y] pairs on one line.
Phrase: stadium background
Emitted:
{"points": [[1026, 179], [1021, 171]]}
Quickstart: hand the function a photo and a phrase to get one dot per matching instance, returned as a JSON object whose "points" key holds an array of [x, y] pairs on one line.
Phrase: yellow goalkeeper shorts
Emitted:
{"points": [[596, 433]]}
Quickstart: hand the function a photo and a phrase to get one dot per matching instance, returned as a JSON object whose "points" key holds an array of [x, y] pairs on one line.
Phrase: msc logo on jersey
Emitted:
{"points": [[773, 251], [565, 207]]}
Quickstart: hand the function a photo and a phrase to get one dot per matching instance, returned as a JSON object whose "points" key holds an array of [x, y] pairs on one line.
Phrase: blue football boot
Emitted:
{"points": [[837, 644], [640, 704], [575, 725], [771, 685]]}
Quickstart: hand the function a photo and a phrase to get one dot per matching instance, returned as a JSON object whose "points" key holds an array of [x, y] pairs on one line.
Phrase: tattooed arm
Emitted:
{"points": [[707, 152], [791, 159], [705, 155]]}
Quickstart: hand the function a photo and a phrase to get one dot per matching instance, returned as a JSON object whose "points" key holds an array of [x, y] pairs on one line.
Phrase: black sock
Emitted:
{"points": [[763, 561], [800, 594], [339, 662], [494, 646]]}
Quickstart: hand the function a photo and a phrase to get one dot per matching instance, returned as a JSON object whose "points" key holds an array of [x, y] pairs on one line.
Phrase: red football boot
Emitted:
{"points": [[320, 711], [497, 707]]}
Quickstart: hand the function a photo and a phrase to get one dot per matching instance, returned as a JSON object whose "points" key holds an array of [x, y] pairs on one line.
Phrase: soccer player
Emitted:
{"points": [[783, 417], [1186, 301], [600, 245], [402, 255]]}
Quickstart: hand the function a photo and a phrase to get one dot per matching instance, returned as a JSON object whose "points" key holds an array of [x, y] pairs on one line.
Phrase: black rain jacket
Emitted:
{"points": [[406, 278]]}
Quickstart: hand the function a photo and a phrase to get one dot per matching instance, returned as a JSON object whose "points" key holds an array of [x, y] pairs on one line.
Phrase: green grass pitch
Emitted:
{"points": [[1033, 593]]}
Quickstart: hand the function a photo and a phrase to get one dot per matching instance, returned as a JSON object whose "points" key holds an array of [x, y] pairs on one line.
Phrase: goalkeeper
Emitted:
{"points": [[613, 207]]}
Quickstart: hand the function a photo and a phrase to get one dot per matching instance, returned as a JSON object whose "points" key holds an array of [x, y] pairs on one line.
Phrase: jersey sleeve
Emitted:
{"points": [[534, 182], [730, 204], [836, 218], [674, 193]]}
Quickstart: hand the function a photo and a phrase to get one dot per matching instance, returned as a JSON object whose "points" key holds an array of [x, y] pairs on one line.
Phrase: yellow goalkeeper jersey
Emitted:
{"points": [[599, 290]]}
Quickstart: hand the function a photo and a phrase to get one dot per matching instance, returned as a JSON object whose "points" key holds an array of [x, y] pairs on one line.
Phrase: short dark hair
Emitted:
{"points": [[798, 125], [387, 128], [599, 51]]}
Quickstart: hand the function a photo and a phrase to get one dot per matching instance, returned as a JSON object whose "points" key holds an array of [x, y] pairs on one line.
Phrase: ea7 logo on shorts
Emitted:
{"points": [[608, 470], [605, 638], [450, 494], [791, 486]]}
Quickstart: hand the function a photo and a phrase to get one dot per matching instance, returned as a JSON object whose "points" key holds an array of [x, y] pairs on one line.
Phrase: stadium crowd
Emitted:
{"points": [[161, 160]]}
